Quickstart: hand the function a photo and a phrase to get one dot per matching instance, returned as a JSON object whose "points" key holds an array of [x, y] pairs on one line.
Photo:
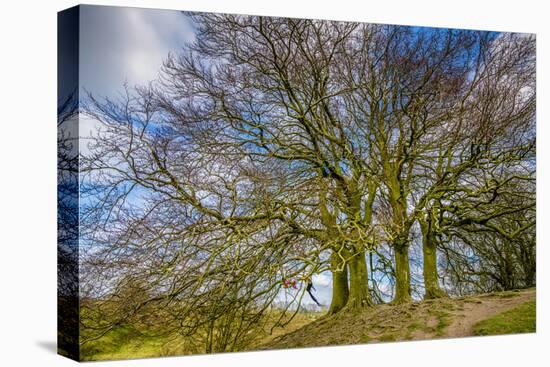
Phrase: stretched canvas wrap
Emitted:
{"points": [[234, 183]]}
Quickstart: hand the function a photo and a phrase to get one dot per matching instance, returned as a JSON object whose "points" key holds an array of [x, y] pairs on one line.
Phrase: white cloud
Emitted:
{"points": [[119, 44], [322, 280]]}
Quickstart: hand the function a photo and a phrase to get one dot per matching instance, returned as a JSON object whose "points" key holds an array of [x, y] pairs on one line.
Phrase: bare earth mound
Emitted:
{"points": [[442, 318]]}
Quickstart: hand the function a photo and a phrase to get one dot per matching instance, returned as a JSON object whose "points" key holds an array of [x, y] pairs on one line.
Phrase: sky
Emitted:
{"points": [[120, 44], [128, 45]]}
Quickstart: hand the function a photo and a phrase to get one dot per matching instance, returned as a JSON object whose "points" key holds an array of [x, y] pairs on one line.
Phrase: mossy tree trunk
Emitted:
{"points": [[359, 296], [402, 274], [400, 228], [353, 295], [340, 291], [429, 250]]}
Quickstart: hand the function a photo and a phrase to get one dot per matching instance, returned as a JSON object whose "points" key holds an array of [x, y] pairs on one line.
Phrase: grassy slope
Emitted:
{"points": [[423, 320], [521, 319], [497, 313], [126, 342]]}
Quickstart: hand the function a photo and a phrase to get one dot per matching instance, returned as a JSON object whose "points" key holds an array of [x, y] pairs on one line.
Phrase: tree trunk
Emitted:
{"points": [[429, 249], [340, 292], [359, 296], [402, 274]]}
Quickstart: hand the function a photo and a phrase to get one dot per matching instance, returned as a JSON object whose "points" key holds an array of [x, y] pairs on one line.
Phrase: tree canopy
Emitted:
{"points": [[274, 149]]}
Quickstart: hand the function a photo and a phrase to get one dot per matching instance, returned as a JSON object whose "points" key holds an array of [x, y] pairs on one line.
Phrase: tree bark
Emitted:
{"points": [[429, 250], [359, 296], [340, 291], [402, 274]]}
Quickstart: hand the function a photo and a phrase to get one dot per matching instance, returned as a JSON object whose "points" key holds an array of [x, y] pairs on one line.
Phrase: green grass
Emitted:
{"points": [[443, 321], [365, 338], [411, 328], [521, 319], [128, 342], [124, 342], [387, 338]]}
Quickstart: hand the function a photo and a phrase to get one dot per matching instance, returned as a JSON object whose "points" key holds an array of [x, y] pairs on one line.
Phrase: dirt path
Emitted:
{"points": [[432, 319], [475, 309]]}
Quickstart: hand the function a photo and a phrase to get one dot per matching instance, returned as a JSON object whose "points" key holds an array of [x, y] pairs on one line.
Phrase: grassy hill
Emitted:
{"points": [[131, 342], [486, 314]]}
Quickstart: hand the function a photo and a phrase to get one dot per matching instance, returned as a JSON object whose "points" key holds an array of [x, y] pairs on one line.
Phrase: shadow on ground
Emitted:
{"points": [[48, 345]]}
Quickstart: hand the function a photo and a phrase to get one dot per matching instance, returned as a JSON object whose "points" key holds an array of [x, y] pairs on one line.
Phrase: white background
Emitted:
{"points": [[28, 183]]}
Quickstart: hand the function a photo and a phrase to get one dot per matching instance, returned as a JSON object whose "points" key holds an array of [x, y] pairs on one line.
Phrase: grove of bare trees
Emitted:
{"points": [[401, 160]]}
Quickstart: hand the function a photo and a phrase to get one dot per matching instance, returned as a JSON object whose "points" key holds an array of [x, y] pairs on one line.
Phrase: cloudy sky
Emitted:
{"points": [[121, 44]]}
